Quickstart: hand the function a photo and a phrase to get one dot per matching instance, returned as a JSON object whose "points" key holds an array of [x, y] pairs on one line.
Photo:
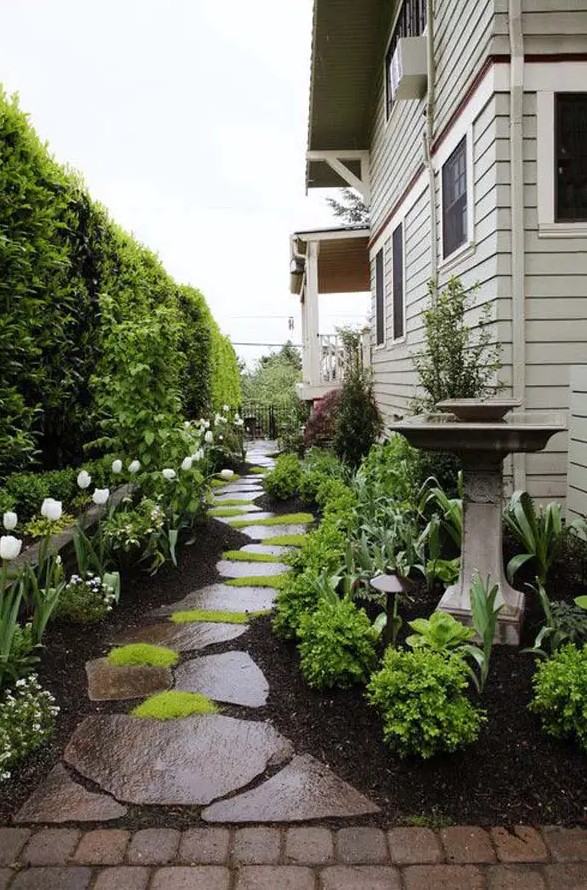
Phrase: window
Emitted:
{"points": [[379, 300], [410, 22], [454, 199], [398, 282], [571, 157]]}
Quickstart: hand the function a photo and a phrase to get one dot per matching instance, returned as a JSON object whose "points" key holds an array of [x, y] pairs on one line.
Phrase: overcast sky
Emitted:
{"points": [[188, 120]]}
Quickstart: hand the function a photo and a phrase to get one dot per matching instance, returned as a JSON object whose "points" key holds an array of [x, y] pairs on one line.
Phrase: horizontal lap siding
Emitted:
{"points": [[577, 465]]}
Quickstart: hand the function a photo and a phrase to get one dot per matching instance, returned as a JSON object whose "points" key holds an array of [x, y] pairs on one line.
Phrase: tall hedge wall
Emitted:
{"points": [[96, 339]]}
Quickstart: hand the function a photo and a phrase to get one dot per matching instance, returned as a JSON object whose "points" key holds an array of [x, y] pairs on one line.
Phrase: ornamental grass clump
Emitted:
{"points": [[143, 654], [27, 719], [421, 698], [560, 694]]}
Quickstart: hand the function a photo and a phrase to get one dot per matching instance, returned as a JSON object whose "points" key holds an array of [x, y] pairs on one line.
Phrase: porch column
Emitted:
{"points": [[310, 331]]}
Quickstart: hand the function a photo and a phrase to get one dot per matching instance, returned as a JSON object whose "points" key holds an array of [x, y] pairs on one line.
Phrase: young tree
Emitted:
{"points": [[350, 209]]}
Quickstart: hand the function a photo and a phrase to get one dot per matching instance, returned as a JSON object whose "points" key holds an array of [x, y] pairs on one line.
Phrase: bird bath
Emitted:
{"points": [[481, 434]]}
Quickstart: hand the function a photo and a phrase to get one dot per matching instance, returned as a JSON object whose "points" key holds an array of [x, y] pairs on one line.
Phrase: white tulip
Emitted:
{"points": [[198, 455], [238, 421], [83, 479], [9, 520], [226, 474], [186, 463], [10, 547], [134, 466], [51, 509], [209, 437], [117, 466], [220, 438], [100, 496], [206, 424], [169, 474], [186, 424], [226, 408]]}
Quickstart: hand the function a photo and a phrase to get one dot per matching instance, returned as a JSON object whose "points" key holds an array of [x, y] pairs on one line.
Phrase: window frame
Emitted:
{"points": [[399, 228], [559, 98], [446, 262], [394, 37], [380, 310], [446, 209]]}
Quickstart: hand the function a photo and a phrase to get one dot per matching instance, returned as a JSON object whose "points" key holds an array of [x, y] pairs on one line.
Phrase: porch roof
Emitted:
{"points": [[348, 39], [343, 260]]}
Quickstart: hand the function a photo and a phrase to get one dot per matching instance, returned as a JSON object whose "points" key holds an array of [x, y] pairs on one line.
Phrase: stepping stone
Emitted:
{"points": [[223, 598], [260, 532], [230, 569], [271, 549], [59, 799], [305, 789], [240, 492], [183, 637], [231, 677], [110, 682], [184, 762]]}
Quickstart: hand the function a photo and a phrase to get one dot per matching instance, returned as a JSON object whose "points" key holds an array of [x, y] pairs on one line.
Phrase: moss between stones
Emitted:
{"points": [[143, 654], [285, 519], [258, 581], [214, 616], [244, 556], [225, 511], [260, 470], [285, 540], [173, 704], [234, 478], [233, 502]]}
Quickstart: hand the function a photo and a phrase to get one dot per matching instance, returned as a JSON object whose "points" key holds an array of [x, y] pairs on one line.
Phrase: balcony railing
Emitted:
{"points": [[331, 359]]}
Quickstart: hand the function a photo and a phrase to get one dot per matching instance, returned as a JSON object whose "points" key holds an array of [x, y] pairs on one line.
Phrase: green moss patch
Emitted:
{"points": [[260, 470], [258, 581], [225, 511], [286, 519], [285, 540], [233, 478], [220, 617], [243, 556], [143, 654], [233, 502], [218, 483], [173, 704]]}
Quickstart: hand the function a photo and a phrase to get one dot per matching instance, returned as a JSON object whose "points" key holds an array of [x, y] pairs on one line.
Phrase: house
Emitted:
{"points": [[464, 125]]}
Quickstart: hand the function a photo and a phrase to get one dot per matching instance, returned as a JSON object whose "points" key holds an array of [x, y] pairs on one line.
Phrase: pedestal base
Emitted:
{"points": [[509, 623]]}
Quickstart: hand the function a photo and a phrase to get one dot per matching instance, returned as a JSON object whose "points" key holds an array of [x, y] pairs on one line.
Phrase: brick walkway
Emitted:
{"points": [[456, 858]]}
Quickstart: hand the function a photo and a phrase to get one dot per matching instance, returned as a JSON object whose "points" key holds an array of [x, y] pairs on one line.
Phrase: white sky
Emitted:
{"points": [[188, 120]]}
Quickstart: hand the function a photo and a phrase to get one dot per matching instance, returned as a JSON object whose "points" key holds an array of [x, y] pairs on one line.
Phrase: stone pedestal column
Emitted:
{"points": [[481, 551]]}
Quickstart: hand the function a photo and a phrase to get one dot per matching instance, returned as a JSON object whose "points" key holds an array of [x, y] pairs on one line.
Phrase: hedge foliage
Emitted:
{"points": [[93, 332]]}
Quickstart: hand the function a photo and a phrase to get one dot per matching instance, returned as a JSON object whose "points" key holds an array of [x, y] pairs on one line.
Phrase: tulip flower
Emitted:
{"points": [[226, 408], [134, 466], [186, 463], [206, 424], [10, 547], [220, 438], [83, 479], [169, 474], [117, 466], [100, 496], [9, 520], [226, 474], [198, 455], [209, 437], [51, 509]]}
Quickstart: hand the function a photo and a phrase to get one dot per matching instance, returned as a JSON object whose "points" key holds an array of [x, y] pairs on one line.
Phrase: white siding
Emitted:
{"points": [[577, 480]]}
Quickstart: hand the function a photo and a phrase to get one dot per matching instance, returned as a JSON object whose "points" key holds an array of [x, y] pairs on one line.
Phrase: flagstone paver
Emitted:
{"points": [[189, 761], [230, 677], [235, 569], [224, 598], [183, 637], [305, 789], [111, 682], [59, 799]]}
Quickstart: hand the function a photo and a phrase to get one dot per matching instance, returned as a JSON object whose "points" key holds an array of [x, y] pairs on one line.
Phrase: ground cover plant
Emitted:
{"points": [[276, 581], [283, 519], [193, 615], [246, 556], [174, 705], [143, 654]]}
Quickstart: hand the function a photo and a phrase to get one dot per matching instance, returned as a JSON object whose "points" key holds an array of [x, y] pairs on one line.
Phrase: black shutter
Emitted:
{"points": [[379, 299], [398, 283]]}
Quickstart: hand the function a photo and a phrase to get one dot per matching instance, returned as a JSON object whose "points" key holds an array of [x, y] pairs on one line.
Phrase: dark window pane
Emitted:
{"points": [[398, 283], [571, 156], [410, 22], [454, 200], [379, 299]]}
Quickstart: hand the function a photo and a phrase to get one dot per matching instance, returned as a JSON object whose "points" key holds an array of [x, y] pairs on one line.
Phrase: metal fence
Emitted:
{"points": [[263, 421]]}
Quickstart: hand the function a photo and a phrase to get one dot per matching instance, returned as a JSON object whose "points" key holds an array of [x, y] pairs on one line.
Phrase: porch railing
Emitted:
{"points": [[332, 358]]}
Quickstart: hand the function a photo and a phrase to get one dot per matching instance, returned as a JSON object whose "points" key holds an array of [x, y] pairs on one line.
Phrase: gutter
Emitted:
{"points": [[518, 259], [428, 138]]}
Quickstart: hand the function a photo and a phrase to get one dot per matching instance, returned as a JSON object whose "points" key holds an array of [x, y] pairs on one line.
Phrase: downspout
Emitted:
{"points": [[428, 137], [516, 36]]}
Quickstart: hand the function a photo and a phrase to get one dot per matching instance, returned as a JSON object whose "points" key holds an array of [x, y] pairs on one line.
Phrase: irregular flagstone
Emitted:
{"points": [[59, 799], [271, 549], [260, 532], [235, 569], [111, 682], [183, 637], [231, 677], [189, 761], [305, 789], [223, 598]]}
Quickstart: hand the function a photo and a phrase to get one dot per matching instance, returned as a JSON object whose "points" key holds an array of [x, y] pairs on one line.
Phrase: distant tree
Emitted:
{"points": [[350, 209], [273, 380]]}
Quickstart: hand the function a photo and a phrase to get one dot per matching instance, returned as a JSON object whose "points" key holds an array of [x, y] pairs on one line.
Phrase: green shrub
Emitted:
{"points": [[560, 694], [143, 654], [337, 644], [84, 600], [27, 719], [28, 490], [319, 465], [420, 696], [298, 596], [358, 422], [283, 482], [173, 704], [39, 527]]}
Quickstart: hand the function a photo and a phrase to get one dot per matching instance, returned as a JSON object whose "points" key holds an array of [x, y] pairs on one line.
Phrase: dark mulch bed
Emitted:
{"points": [[513, 774]]}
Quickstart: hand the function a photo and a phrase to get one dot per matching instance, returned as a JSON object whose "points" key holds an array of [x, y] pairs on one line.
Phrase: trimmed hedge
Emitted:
{"points": [[92, 328]]}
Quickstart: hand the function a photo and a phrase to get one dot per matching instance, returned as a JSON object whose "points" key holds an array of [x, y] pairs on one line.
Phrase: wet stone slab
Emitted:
{"points": [[183, 637], [110, 682], [232, 677], [59, 799], [305, 789], [260, 532], [229, 569], [221, 597], [187, 762]]}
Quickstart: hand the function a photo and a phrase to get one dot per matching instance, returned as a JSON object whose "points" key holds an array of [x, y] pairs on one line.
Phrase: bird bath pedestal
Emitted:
{"points": [[482, 436]]}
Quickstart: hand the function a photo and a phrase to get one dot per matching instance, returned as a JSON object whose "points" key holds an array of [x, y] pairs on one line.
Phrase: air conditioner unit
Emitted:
{"points": [[408, 70]]}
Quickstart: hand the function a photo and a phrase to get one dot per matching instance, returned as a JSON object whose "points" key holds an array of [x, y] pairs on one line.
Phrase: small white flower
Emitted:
{"points": [[58, 560], [186, 463], [226, 474], [134, 466], [238, 421], [169, 474], [10, 547], [220, 438], [117, 466], [198, 455], [9, 520], [209, 437], [51, 509], [226, 408], [83, 479], [100, 496], [186, 423], [206, 424]]}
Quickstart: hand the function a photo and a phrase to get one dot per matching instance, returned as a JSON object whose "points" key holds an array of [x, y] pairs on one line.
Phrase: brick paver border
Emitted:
{"points": [[299, 858]]}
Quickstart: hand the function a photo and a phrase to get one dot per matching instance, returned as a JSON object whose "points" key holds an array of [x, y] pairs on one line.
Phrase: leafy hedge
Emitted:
{"points": [[94, 334]]}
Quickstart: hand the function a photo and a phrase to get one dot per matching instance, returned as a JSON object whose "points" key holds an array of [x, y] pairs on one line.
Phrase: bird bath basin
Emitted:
{"points": [[482, 434]]}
